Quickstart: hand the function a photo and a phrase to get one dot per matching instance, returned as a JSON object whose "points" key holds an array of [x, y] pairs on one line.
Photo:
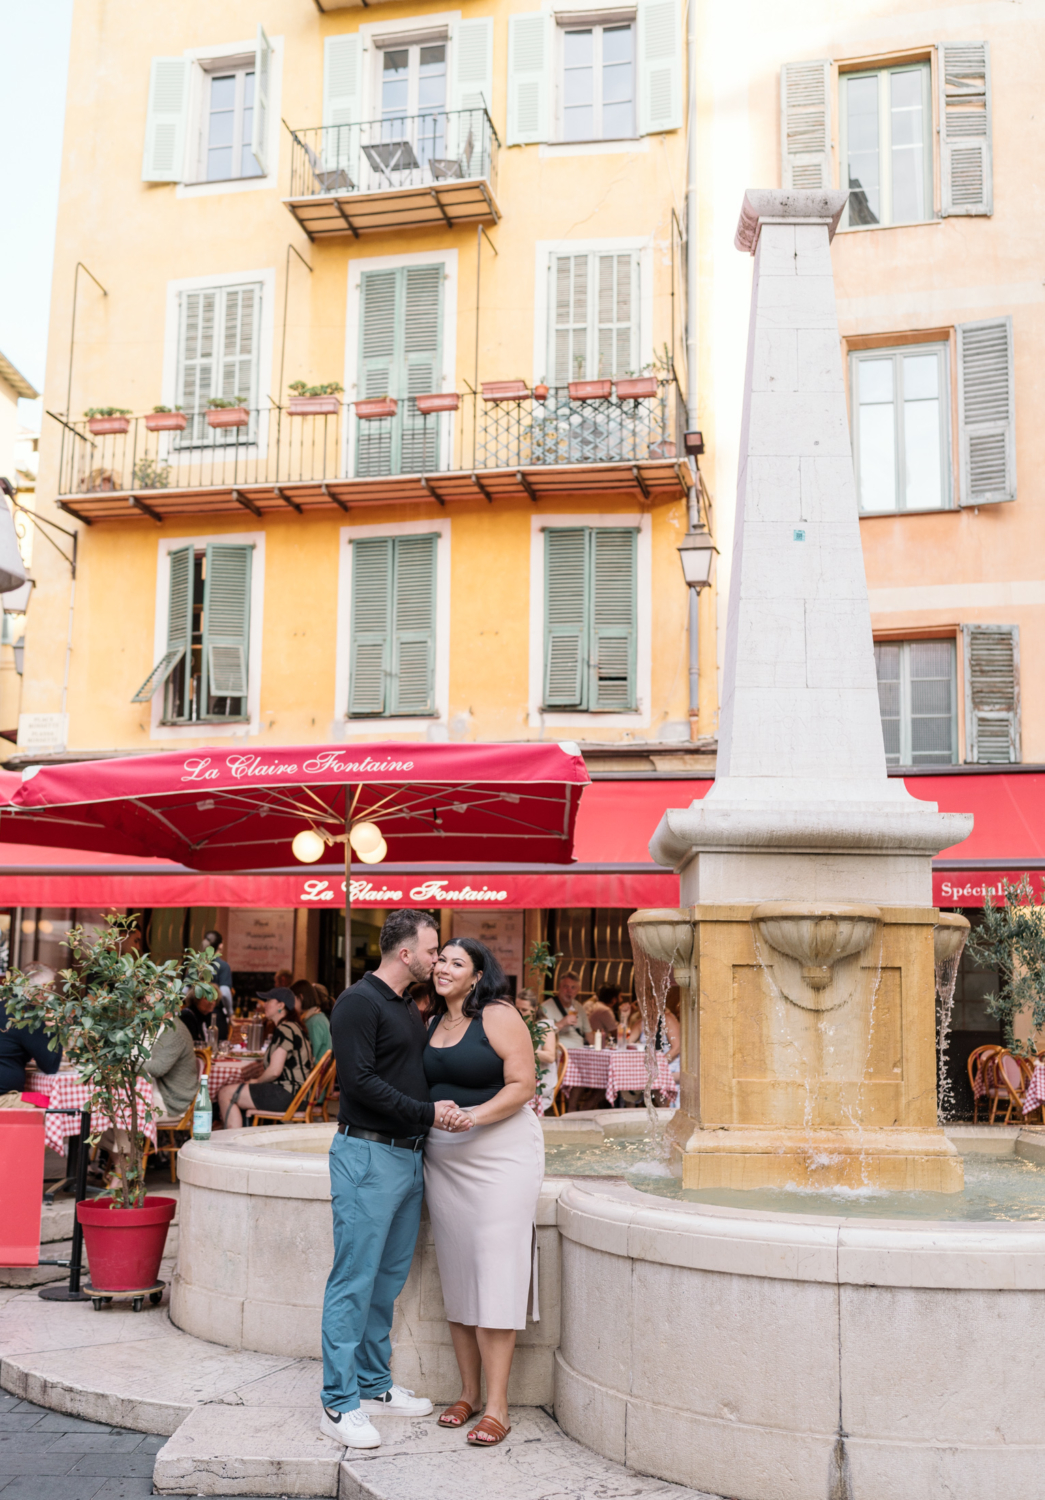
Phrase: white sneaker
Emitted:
{"points": [[352, 1429], [398, 1403]]}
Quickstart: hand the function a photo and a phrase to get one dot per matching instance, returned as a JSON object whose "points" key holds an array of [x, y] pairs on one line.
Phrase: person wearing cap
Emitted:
{"points": [[288, 1064]]}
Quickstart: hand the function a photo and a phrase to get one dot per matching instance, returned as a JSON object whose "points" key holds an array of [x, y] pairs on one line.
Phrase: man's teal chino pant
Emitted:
{"points": [[376, 1191]]}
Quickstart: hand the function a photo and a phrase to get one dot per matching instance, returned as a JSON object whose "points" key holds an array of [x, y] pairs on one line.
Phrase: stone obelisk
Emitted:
{"points": [[802, 811]]}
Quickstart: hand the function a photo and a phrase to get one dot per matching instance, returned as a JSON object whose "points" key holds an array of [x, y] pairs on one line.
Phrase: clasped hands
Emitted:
{"points": [[449, 1117]]}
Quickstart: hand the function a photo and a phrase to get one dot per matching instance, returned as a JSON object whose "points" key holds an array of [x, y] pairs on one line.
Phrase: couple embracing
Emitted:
{"points": [[435, 1108]]}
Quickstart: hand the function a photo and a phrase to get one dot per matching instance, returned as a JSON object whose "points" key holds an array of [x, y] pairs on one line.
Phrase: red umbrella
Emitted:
{"points": [[221, 809]]}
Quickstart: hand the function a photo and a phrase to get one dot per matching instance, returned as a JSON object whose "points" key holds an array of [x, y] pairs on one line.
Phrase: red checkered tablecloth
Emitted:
{"points": [[66, 1090], [1035, 1094], [614, 1070], [225, 1070]]}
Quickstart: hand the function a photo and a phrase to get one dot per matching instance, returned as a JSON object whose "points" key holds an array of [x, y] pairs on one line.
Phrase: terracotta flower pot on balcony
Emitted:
{"points": [[102, 425], [540, 392], [505, 390], [590, 390], [166, 421], [631, 390], [664, 448], [429, 405], [228, 416], [384, 406], [313, 406]]}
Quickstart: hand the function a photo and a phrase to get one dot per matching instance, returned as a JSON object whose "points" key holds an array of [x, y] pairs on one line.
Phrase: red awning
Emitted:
{"points": [[612, 869]]}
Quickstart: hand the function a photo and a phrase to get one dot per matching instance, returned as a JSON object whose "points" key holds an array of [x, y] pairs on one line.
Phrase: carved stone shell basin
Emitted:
{"points": [[664, 932], [817, 936], [949, 936]]}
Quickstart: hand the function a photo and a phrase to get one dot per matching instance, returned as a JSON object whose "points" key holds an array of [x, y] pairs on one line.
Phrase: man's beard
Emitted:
{"points": [[420, 968]]}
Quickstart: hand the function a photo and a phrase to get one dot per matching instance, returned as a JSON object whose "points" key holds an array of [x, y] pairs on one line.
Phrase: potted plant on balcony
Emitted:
{"points": [[106, 419], [224, 411], [590, 390], [314, 400], [376, 406], [541, 391], [106, 1011], [438, 401], [166, 419]]}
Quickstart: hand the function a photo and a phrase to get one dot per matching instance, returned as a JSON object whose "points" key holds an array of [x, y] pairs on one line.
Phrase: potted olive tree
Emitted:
{"points": [[106, 1012]]}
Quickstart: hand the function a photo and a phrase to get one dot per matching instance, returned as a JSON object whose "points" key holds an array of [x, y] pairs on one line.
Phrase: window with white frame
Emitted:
{"points": [[218, 337], [886, 145], [597, 81], [917, 696], [413, 93], [901, 427], [228, 124], [393, 627], [594, 315]]}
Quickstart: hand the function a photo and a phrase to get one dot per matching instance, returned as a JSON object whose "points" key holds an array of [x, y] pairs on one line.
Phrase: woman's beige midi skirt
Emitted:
{"points": [[481, 1186]]}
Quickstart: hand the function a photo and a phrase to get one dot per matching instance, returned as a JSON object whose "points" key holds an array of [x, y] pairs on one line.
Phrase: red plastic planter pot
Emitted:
{"points": [[631, 390], [21, 1185], [429, 405], [125, 1245], [590, 390], [384, 406], [313, 406], [101, 425], [228, 416], [166, 421]]}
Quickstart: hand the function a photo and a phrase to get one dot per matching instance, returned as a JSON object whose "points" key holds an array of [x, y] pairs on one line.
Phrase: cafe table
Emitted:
{"points": [[231, 1067], [67, 1090], [616, 1070], [1035, 1094]]}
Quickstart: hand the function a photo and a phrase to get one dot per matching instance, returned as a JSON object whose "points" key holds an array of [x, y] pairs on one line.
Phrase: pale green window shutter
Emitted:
{"points": [[805, 125], [660, 65], [472, 81], [529, 80], [992, 693], [342, 102], [197, 383], [239, 344], [413, 626], [965, 129], [986, 413], [378, 299], [566, 592], [179, 623], [165, 120], [260, 121], [613, 619], [371, 626], [226, 623], [422, 325]]}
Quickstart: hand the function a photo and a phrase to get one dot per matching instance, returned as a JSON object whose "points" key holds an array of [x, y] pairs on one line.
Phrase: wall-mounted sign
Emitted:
{"points": [[42, 734], [501, 931], [260, 940]]}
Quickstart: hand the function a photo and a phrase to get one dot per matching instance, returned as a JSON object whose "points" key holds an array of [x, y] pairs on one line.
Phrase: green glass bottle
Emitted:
{"points": [[202, 1112]]}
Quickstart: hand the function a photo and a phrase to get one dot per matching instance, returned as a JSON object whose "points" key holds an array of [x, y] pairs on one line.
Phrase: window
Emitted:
{"points": [[392, 671], [886, 146], [217, 356], [400, 355], [594, 315], [203, 671], [598, 83], [229, 125], [917, 696], [901, 427], [590, 618]]}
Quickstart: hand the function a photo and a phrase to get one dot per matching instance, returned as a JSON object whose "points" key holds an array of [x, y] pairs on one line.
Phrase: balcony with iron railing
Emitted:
{"points": [[503, 441], [401, 172]]}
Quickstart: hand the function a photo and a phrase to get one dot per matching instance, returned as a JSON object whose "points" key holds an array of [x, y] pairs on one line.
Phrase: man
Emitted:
{"points": [[376, 1179], [569, 1019], [172, 1067], [220, 969], [199, 1014]]}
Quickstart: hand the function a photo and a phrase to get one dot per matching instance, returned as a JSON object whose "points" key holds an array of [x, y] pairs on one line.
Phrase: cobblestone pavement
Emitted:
{"points": [[45, 1456]]}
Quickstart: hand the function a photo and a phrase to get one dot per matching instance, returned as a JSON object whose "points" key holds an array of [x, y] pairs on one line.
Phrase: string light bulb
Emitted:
{"points": [[308, 846], [365, 838], [375, 856]]}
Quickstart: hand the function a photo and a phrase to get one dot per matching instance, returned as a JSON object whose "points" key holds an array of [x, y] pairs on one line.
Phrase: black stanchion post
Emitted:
{"points": [[72, 1292]]}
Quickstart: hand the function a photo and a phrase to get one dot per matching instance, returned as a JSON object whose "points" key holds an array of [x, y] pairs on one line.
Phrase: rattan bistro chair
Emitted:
{"points": [[299, 1110], [168, 1129], [981, 1069], [558, 1105]]}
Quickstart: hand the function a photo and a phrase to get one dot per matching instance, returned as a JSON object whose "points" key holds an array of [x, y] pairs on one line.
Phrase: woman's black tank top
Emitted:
{"points": [[469, 1072]]}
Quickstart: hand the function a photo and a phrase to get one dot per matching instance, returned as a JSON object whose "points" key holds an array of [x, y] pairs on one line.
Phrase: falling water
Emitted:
{"points": [[946, 979], [654, 977]]}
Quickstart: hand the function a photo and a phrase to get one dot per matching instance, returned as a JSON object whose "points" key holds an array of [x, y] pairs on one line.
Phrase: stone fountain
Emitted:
{"points": [[805, 937]]}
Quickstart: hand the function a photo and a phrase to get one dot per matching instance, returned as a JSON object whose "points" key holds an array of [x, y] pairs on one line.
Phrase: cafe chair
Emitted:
{"points": [[328, 1096], [558, 1101], [981, 1072], [1010, 1086], [170, 1127], [299, 1110]]}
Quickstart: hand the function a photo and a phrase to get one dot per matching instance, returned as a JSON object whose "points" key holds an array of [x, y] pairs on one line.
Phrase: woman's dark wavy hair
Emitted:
{"points": [[492, 985]]}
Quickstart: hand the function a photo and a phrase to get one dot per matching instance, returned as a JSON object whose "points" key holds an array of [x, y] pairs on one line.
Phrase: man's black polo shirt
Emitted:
{"points": [[378, 1039]]}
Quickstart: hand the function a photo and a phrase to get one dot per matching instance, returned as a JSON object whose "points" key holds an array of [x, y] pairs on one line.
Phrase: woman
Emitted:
{"points": [[312, 1018], [289, 1064], [482, 1176], [545, 1053], [603, 1013]]}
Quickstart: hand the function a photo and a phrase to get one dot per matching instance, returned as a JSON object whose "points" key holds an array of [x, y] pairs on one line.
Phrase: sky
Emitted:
{"points": [[34, 45]]}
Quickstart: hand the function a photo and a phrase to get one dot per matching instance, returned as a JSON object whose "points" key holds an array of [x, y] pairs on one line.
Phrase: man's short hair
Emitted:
{"points": [[401, 927], [570, 975], [212, 939]]}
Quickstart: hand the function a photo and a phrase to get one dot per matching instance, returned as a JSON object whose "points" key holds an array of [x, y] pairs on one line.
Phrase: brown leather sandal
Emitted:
{"points": [[494, 1433], [456, 1415]]}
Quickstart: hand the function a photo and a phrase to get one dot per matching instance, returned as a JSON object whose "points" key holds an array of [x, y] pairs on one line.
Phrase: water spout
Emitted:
{"points": [[949, 936]]}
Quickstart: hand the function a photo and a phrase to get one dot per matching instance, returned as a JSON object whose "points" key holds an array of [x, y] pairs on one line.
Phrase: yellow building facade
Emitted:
{"points": [[483, 207]]}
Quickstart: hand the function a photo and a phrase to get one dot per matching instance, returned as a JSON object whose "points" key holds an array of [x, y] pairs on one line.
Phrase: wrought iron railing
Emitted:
{"points": [[422, 435], [402, 151]]}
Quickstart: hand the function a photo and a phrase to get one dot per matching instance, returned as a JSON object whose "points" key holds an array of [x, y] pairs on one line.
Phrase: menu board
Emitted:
{"points": [[501, 931], [260, 941]]}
